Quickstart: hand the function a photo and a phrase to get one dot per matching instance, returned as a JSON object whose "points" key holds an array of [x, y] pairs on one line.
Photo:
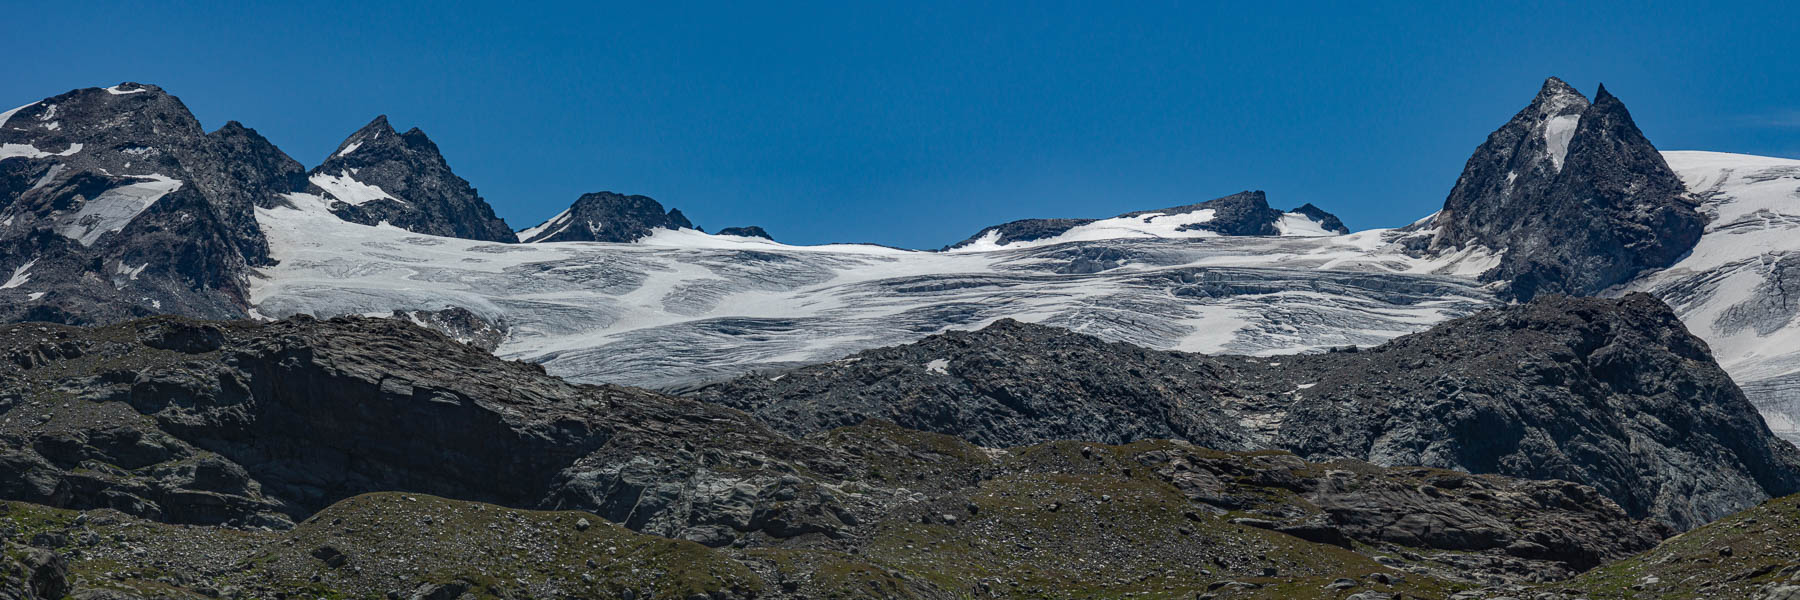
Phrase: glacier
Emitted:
{"points": [[1739, 288], [682, 307]]}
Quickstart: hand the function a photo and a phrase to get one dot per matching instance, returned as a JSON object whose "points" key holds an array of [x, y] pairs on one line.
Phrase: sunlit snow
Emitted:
{"points": [[345, 189]]}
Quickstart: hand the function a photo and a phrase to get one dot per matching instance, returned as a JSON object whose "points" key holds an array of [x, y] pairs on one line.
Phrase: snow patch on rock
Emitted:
{"points": [[343, 188], [20, 276], [113, 209]]}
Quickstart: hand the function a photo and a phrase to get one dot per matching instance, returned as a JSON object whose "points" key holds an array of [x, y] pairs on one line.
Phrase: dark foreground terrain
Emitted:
{"points": [[371, 458]]}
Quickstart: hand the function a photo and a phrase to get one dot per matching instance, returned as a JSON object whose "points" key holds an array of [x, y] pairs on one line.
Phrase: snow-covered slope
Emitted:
{"points": [[1146, 226], [1242, 214], [1739, 288], [680, 306]]}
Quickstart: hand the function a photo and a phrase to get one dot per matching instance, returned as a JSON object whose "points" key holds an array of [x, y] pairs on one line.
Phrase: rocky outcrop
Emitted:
{"points": [[1327, 221], [968, 519], [1571, 196], [242, 424], [28, 573], [380, 176], [460, 324], [115, 204], [1749, 554], [1611, 393], [1242, 214], [251, 424], [751, 231], [1008, 384], [607, 217]]}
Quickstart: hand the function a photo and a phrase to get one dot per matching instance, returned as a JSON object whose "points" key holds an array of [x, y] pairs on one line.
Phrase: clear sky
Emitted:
{"points": [[917, 123]]}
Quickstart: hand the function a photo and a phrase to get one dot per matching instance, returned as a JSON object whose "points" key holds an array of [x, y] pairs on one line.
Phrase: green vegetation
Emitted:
{"points": [[1730, 558]]}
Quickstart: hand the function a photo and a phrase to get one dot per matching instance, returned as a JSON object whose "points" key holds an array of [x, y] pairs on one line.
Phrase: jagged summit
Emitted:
{"points": [[379, 176], [115, 203], [606, 217], [373, 132], [1569, 196], [1245, 213]]}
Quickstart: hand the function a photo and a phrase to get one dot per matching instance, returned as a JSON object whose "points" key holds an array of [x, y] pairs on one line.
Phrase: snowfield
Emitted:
{"points": [[1737, 288], [681, 307]]}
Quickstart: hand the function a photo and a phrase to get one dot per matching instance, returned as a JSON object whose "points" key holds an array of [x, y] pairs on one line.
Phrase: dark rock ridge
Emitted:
{"points": [[750, 231], [460, 324], [1571, 194], [607, 217], [238, 422], [1327, 221], [1611, 393], [1243, 213], [378, 175], [266, 424], [115, 204]]}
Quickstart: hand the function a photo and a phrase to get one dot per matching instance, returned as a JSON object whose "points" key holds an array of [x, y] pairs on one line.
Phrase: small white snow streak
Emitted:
{"points": [[350, 191], [1557, 133], [348, 149], [30, 151], [530, 233], [113, 209], [131, 272], [114, 90], [20, 276], [938, 367]]}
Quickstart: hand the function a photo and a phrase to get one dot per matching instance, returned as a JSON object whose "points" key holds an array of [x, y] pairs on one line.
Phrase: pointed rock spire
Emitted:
{"points": [[1571, 196], [378, 176]]}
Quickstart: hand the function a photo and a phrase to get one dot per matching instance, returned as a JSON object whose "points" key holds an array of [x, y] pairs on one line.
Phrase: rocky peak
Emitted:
{"points": [[1570, 195], [607, 217], [122, 206], [748, 231], [402, 179], [1245, 213], [1327, 221]]}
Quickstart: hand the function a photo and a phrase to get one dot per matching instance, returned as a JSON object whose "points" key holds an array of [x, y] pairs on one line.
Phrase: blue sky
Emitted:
{"points": [[915, 124]]}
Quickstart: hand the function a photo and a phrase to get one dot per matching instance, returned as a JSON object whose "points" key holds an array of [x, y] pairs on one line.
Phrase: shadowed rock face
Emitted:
{"points": [[1611, 393], [248, 424], [608, 217], [1572, 196], [422, 194], [124, 207], [242, 423]]}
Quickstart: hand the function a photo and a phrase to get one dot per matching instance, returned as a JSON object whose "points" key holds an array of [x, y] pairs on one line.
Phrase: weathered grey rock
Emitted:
{"points": [[1244, 213], [28, 573], [1009, 384], [607, 217], [750, 231], [421, 193], [1571, 195], [1611, 393], [124, 207]]}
